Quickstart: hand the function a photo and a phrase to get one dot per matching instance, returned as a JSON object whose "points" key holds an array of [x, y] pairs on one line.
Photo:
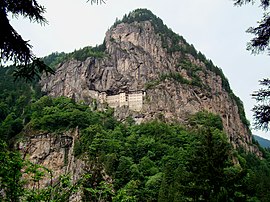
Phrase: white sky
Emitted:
{"points": [[214, 27]]}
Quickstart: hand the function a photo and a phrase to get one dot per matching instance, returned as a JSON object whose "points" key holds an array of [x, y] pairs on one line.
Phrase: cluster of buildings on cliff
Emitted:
{"points": [[132, 99]]}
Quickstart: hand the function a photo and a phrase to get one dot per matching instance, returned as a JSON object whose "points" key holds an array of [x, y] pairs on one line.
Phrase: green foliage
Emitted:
{"points": [[15, 98], [63, 113], [261, 109], [10, 127], [54, 59], [175, 76], [59, 191], [151, 84], [32, 71], [12, 46], [192, 72], [11, 184], [200, 170], [102, 192], [15, 173], [159, 162], [152, 161], [260, 43], [149, 162], [82, 54], [86, 52], [241, 109], [206, 119], [256, 182]]}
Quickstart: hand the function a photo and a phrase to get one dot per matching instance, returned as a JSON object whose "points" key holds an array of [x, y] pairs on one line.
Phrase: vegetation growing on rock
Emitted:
{"points": [[153, 161], [174, 43], [82, 54]]}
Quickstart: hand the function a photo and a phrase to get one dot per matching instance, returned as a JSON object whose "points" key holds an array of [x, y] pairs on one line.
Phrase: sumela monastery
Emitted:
{"points": [[132, 99]]}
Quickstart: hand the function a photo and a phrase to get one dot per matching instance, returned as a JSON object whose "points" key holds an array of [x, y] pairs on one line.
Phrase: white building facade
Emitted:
{"points": [[133, 99]]}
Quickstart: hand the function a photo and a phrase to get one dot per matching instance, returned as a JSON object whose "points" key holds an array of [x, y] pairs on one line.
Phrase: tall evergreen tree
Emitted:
{"points": [[260, 42], [12, 46], [262, 109]]}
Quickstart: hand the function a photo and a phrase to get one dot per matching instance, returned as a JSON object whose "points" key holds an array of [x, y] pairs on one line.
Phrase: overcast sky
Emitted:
{"points": [[214, 27]]}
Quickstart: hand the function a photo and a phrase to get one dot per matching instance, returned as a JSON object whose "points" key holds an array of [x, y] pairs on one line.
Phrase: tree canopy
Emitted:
{"points": [[260, 43], [12, 46], [262, 109], [153, 161]]}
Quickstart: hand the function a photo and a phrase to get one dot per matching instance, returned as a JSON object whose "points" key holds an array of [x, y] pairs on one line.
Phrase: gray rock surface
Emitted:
{"points": [[136, 60]]}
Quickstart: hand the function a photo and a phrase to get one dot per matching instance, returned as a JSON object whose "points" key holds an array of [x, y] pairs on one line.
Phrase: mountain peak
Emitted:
{"points": [[148, 67], [142, 12], [139, 15], [142, 15]]}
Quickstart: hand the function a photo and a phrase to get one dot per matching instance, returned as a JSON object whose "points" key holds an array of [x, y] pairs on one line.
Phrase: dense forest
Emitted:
{"points": [[153, 161]]}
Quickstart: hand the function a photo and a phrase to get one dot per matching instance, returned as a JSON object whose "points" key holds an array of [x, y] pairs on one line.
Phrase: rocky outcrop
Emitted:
{"points": [[55, 153], [136, 60], [54, 156]]}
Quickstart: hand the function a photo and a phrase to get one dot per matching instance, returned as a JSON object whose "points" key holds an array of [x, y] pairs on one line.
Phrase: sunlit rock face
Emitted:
{"points": [[174, 84]]}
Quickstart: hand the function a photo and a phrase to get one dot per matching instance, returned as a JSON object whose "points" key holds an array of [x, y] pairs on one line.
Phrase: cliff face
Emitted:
{"points": [[54, 152], [175, 84]]}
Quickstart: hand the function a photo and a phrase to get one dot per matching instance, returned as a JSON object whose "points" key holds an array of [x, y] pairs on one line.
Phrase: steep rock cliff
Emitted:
{"points": [[177, 80], [54, 152]]}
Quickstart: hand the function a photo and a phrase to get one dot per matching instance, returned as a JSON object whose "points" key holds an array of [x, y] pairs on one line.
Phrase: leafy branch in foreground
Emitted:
{"points": [[262, 109], [260, 42], [33, 70], [12, 46]]}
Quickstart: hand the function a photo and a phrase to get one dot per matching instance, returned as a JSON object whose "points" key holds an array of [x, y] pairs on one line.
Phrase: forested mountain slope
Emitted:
{"points": [[263, 142], [141, 54], [93, 138]]}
